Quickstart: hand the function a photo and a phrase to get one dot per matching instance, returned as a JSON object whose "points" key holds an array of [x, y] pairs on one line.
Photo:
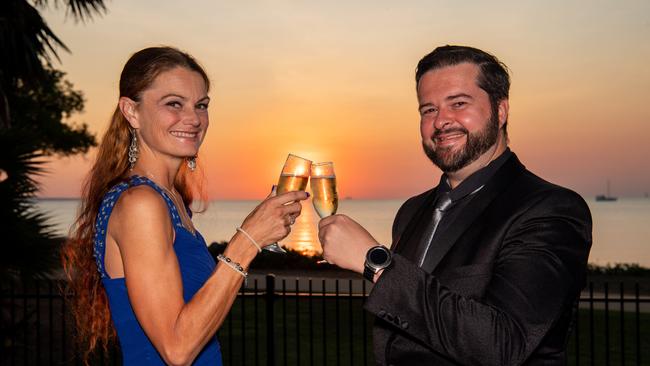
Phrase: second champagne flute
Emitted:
{"points": [[323, 189], [294, 177]]}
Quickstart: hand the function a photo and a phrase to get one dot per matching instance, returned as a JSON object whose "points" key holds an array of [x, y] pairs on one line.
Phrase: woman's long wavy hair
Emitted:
{"points": [[90, 303]]}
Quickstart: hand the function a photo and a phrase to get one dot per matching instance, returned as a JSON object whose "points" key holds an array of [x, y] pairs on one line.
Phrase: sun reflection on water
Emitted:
{"points": [[304, 233]]}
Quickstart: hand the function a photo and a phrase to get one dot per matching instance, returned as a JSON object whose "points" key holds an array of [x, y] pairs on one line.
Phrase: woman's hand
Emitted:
{"points": [[271, 220]]}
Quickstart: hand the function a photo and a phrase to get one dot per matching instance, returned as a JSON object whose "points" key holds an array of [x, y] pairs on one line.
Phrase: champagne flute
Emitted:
{"points": [[294, 177], [323, 189]]}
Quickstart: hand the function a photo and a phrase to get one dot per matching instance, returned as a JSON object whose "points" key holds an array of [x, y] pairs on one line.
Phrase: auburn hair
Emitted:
{"points": [[89, 300]]}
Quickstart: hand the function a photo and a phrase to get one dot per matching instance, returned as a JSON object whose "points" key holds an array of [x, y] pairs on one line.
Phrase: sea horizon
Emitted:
{"points": [[620, 230], [644, 195]]}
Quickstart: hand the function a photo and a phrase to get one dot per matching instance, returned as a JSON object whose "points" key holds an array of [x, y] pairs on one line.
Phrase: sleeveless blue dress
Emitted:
{"points": [[196, 265]]}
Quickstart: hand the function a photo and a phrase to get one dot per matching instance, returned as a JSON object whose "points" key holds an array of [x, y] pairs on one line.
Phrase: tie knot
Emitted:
{"points": [[443, 203]]}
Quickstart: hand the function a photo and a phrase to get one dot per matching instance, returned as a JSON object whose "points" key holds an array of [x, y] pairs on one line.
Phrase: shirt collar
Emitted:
{"points": [[475, 181]]}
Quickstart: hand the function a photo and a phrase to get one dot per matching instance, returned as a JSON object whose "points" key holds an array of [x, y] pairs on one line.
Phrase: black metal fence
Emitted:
{"points": [[280, 321]]}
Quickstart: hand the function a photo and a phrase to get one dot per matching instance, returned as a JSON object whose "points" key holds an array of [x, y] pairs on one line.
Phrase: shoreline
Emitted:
{"points": [[598, 280]]}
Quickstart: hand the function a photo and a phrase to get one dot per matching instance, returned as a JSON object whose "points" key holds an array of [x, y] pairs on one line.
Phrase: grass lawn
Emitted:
{"points": [[305, 332], [593, 344]]}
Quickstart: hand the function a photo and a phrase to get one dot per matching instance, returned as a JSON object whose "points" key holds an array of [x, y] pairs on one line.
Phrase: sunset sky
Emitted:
{"points": [[334, 81]]}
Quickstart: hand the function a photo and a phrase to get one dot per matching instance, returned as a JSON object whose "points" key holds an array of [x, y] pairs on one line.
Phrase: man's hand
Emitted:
{"points": [[345, 242]]}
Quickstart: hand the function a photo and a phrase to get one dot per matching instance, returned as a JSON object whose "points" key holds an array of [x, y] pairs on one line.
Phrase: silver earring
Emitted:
{"points": [[191, 163], [133, 150]]}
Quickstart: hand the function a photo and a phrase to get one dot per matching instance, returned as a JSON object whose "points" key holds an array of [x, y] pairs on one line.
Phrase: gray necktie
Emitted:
{"points": [[442, 204]]}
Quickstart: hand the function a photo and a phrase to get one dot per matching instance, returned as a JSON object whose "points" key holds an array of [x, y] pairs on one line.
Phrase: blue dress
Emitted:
{"points": [[196, 265]]}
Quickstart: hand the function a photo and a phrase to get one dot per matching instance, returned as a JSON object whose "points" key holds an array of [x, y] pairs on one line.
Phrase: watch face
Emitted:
{"points": [[378, 256]]}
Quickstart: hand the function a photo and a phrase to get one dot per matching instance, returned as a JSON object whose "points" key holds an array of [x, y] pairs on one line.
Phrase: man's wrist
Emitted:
{"points": [[376, 277], [377, 259]]}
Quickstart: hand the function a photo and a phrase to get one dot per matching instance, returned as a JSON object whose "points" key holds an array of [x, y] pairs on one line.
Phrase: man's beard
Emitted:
{"points": [[476, 145]]}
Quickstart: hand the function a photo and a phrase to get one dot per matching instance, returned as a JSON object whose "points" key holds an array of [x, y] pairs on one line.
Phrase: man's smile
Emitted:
{"points": [[448, 139]]}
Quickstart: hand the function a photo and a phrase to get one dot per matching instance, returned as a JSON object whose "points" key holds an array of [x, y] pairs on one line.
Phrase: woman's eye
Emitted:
{"points": [[174, 104], [202, 106]]}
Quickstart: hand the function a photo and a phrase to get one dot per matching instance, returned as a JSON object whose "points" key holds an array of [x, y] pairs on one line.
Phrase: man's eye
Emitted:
{"points": [[459, 104], [202, 106], [428, 111]]}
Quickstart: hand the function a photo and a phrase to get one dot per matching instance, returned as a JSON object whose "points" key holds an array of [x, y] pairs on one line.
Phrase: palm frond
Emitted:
{"points": [[81, 10], [29, 243], [85, 9], [25, 41]]}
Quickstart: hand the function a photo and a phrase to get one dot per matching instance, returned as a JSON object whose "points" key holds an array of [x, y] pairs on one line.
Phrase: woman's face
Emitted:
{"points": [[172, 115]]}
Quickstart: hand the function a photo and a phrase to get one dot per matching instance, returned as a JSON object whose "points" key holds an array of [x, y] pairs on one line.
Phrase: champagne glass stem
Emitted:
{"points": [[275, 248]]}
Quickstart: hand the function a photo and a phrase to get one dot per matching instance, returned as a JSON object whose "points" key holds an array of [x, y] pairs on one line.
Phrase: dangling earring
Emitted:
{"points": [[191, 163], [133, 149]]}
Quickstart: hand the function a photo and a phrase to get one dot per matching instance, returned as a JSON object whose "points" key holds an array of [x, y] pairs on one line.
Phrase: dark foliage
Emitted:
{"points": [[28, 243], [30, 42], [293, 260], [27, 44], [35, 104], [38, 113], [38, 116], [619, 269]]}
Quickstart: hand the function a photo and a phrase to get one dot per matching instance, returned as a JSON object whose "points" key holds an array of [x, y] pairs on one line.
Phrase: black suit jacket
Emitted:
{"points": [[501, 282]]}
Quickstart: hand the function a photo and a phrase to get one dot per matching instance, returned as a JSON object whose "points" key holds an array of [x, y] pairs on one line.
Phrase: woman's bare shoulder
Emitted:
{"points": [[140, 209]]}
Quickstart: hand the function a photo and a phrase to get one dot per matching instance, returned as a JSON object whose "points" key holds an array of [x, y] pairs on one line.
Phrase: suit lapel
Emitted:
{"points": [[475, 208], [407, 244]]}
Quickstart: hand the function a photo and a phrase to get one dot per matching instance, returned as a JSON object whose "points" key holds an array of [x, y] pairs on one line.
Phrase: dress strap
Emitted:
{"points": [[106, 208]]}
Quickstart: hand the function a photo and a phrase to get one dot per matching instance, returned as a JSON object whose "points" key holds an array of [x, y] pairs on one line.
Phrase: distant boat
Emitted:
{"points": [[606, 197], [602, 197]]}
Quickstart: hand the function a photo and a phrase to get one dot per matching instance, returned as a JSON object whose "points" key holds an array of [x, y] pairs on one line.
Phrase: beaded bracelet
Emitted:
{"points": [[259, 248], [234, 265]]}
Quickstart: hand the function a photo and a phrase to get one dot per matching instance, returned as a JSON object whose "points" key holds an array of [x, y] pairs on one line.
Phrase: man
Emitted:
{"points": [[486, 267]]}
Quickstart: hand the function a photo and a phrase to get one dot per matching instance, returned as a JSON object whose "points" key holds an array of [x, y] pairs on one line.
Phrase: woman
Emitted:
{"points": [[134, 257]]}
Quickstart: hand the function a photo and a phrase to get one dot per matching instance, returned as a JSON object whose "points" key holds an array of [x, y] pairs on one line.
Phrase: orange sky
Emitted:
{"points": [[335, 82]]}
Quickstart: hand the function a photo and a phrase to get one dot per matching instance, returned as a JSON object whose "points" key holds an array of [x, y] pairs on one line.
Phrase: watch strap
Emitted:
{"points": [[368, 273]]}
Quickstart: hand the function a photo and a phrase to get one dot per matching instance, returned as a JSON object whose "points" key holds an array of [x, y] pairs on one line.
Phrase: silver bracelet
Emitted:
{"points": [[232, 264], [259, 248]]}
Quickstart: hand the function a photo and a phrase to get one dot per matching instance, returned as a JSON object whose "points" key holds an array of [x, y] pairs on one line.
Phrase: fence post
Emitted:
{"points": [[270, 324]]}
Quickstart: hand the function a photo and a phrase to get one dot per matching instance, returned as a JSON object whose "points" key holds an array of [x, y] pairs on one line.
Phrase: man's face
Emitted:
{"points": [[457, 123]]}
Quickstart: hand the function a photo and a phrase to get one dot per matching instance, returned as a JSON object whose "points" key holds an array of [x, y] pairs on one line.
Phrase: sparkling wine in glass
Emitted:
{"points": [[294, 177], [323, 189], [290, 183]]}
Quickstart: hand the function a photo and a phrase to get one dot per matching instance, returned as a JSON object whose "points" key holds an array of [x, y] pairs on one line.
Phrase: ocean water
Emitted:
{"points": [[621, 229]]}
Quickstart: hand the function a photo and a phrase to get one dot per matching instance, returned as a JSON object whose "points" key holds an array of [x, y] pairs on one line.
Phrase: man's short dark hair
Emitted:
{"points": [[493, 74]]}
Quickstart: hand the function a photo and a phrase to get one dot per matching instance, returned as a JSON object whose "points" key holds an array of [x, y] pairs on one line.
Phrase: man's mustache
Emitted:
{"points": [[438, 133]]}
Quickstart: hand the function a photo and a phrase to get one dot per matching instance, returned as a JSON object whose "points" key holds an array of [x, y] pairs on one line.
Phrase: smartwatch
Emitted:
{"points": [[377, 258]]}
